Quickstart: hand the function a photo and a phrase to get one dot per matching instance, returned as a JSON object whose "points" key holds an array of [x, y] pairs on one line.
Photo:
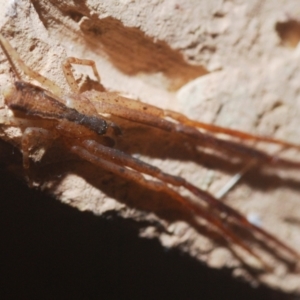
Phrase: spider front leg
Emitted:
{"points": [[230, 132], [17, 64], [112, 103], [131, 109]]}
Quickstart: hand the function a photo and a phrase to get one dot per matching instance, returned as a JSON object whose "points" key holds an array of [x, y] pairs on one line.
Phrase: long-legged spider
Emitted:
{"points": [[81, 121]]}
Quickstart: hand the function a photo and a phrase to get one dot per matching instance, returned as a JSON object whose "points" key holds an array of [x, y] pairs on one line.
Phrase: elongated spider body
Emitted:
{"points": [[82, 123]]}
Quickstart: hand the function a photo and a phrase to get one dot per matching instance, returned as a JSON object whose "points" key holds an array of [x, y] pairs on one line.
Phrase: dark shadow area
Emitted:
{"points": [[289, 32], [133, 52], [224, 158], [51, 251], [128, 48]]}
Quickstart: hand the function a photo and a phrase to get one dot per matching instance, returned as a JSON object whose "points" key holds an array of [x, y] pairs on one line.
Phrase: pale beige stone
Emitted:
{"points": [[235, 64]]}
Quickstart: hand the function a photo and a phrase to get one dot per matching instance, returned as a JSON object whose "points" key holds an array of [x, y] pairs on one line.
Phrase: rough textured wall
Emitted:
{"points": [[232, 63]]}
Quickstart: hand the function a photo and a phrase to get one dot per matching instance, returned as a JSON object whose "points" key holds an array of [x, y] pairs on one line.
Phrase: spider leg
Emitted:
{"points": [[116, 105], [32, 137], [66, 66], [119, 166], [123, 159], [37, 138], [231, 132], [17, 64], [134, 106], [78, 101]]}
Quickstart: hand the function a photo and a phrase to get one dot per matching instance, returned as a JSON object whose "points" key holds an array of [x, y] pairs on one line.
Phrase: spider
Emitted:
{"points": [[84, 123]]}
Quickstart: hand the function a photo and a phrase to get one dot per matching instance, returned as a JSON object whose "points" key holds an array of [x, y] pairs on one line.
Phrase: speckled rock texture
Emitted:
{"points": [[231, 63]]}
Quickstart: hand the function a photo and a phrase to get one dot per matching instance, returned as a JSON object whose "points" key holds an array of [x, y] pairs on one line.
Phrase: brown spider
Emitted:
{"points": [[81, 121]]}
